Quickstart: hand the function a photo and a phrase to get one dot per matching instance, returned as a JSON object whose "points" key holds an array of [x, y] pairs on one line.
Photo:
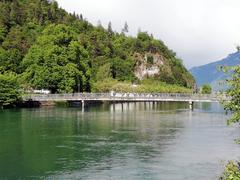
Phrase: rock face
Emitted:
{"points": [[147, 65]]}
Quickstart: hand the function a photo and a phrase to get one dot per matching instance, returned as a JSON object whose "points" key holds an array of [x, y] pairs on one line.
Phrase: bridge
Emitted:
{"points": [[128, 97]]}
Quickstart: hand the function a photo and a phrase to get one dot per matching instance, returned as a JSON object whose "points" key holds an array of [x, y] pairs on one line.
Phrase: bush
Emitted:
{"points": [[150, 59], [206, 89], [9, 89], [232, 171], [145, 86]]}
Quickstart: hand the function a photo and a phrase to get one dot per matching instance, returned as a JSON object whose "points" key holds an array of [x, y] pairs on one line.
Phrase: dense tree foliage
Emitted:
{"points": [[234, 92], [232, 170], [57, 61], [9, 91], [206, 89], [52, 49]]}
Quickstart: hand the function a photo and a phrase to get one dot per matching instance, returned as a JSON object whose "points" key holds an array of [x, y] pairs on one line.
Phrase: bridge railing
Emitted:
{"points": [[122, 96], [177, 96]]}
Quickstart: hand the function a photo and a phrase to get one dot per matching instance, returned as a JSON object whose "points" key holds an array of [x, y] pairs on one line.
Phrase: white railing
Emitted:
{"points": [[126, 96]]}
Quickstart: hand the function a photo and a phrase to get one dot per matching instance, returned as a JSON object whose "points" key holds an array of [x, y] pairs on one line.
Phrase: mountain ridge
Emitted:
{"points": [[49, 48], [211, 74]]}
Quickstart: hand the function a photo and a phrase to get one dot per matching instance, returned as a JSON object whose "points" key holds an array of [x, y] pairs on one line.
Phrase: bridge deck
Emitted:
{"points": [[128, 97]]}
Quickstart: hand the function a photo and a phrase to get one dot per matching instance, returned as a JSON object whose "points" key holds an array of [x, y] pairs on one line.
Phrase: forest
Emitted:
{"points": [[44, 47]]}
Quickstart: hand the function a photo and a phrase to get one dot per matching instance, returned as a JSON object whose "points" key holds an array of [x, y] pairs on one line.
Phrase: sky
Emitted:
{"points": [[199, 31]]}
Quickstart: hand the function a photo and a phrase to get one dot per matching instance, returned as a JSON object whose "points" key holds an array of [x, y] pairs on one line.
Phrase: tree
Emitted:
{"points": [[16, 40], [81, 17], [39, 41], [15, 14], [99, 24], [206, 89], [10, 60], [238, 48], [125, 28], [110, 30], [104, 72], [122, 69], [232, 170], [57, 61], [9, 89], [234, 92], [3, 32]]}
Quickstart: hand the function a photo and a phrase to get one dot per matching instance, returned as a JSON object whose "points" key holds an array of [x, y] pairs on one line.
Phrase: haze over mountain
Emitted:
{"points": [[210, 73]]}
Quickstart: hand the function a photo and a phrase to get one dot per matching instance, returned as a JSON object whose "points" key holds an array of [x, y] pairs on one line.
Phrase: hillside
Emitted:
{"points": [[49, 48], [210, 73]]}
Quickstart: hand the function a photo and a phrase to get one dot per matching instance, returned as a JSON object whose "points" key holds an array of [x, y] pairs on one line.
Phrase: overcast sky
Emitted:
{"points": [[199, 31]]}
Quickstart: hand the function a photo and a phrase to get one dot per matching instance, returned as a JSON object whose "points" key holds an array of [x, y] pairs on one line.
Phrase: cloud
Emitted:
{"points": [[200, 31]]}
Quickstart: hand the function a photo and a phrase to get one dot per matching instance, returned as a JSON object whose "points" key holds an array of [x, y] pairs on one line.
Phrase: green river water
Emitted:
{"points": [[164, 141]]}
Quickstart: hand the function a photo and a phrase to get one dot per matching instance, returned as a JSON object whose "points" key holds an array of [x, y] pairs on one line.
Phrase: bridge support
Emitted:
{"points": [[191, 105], [82, 105]]}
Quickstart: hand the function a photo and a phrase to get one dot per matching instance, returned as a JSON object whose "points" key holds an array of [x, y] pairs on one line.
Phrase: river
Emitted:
{"points": [[163, 141]]}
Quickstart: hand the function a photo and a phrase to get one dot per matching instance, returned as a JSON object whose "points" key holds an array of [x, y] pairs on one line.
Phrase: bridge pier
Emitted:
{"points": [[191, 105], [82, 105]]}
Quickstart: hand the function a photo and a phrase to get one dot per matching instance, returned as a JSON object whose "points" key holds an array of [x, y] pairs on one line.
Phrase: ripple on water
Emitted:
{"points": [[136, 142]]}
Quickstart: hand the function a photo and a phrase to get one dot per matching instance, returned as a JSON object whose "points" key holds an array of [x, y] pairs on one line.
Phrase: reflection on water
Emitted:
{"points": [[117, 141]]}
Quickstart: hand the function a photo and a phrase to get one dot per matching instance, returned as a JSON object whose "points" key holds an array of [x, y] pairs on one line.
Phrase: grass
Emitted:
{"points": [[145, 86]]}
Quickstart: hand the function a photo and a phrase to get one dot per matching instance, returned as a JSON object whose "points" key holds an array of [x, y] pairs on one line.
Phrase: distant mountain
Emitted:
{"points": [[210, 74]]}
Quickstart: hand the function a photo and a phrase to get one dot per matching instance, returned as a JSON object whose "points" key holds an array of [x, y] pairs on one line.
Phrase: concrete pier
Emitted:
{"points": [[191, 105]]}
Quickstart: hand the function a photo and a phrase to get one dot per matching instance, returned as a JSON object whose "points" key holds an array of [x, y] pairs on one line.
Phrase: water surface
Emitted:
{"points": [[163, 141]]}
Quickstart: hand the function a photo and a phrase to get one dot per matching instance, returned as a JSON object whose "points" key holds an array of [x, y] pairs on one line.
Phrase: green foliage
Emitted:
{"points": [[10, 60], [238, 48], [57, 61], [146, 86], [104, 72], [9, 89], [51, 49], [151, 85], [232, 171], [104, 85], [234, 92], [206, 89], [122, 69], [3, 32], [150, 59], [237, 141], [125, 28]]}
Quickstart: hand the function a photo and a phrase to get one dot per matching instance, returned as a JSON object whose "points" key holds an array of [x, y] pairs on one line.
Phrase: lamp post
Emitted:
{"points": [[78, 86]]}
